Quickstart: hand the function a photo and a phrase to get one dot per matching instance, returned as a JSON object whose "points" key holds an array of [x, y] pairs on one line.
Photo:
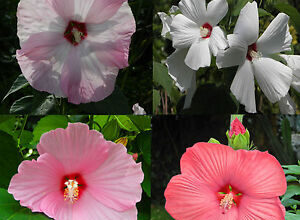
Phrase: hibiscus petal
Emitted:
{"points": [[198, 55], [217, 40], [216, 11], [243, 88], [190, 93], [87, 146], [210, 163], [89, 208], [293, 61], [101, 11], [179, 71], [195, 10], [65, 9], [35, 180], [247, 25], [260, 209], [166, 22], [236, 53], [184, 31], [258, 174], [276, 37], [287, 105], [273, 77], [116, 183]]}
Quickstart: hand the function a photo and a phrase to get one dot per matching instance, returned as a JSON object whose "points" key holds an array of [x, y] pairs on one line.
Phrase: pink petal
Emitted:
{"points": [[260, 209], [101, 11], [210, 163], [35, 180], [188, 199], [236, 127], [64, 9], [258, 174], [76, 147], [116, 183], [89, 208], [84, 78]]}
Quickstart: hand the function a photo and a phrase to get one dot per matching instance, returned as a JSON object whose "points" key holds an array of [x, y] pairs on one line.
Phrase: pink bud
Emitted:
{"points": [[135, 156], [236, 128]]}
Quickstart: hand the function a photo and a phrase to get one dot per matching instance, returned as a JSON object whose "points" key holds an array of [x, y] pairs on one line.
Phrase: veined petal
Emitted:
{"points": [[65, 9], [35, 180], [236, 53], [190, 93], [216, 11], [247, 25], [184, 31], [195, 10], [198, 55], [273, 77], [287, 105], [179, 71], [243, 88], [166, 21], [293, 61], [276, 37], [217, 40], [116, 183]]}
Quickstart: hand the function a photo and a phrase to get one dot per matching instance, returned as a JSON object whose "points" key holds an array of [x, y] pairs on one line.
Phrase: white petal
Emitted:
{"points": [[293, 61], [235, 54], [287, 105], [194, 10], [273, 77], [179, 71], [190, 93], [174, 9], [184, 31], [243, 88], [216, 11], [217, 40], [247, 24], [276, 37], [166, 21], [198, 55]]}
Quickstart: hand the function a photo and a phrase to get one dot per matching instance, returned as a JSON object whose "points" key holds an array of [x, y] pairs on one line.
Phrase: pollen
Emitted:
{"points": [[71, 192], [253, 53], [205, 30], [75, 32], [227, 202]]}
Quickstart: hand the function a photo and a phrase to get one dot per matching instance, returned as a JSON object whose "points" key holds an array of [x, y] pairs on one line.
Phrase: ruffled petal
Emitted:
{"points": [[273, 77], [76, 147], [35, 180], [166, 22], [216, 11], [247, 25], [195, 10], [65, 9], [210, 163], [243, 88], [236, 53], [89, 208], [217, 40], [260, 209], [287, 105], [258, 174], [276, 37], [116, 183], [179, 71], [190, 93], [293, 61], [199, 55], [184, 31]]}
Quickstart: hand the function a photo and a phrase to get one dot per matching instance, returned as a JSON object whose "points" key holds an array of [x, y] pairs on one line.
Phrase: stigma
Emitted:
{"points": [[205, 30], [253, 53], [227, 202], [71, 192], [75, 32]]}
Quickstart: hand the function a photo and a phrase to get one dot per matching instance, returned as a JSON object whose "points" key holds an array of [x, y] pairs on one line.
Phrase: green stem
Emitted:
{"points": [[20, 134]]}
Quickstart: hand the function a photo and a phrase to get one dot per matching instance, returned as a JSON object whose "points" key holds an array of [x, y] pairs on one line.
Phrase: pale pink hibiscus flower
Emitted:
{"points": [[79, 175], [218, 183], [253, 56], [74, 48]]}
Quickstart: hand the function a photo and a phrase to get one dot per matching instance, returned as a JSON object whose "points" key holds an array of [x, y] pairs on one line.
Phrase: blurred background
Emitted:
{"points": [[213, 94], [134, 83], [277, 134]]}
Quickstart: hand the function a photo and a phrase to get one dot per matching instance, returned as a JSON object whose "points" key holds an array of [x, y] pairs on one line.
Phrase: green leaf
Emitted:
{"points": [[262, 13], [290, 178], [292, 169], [10, 159], [18, 84], [102, 119], [292, 190], [142, 122], [290, 11], [48, 123], [125, 123], [10, 209], [290, 202], [111, 130], [8, 123], [238, 7], [212, 140], [144, 208], [291, 216], [143, 141], [146, 184], [35, 105], [25, 138], [156, 100], [286, 134]]}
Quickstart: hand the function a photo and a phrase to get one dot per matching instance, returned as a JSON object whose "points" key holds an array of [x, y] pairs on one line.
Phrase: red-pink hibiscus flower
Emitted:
{"points": [[74, 48], [79, 175], [236, 128], [218, 183]]}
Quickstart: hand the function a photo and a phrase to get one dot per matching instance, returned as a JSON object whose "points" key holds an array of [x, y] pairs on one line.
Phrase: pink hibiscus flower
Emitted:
{"points": [[236, 128], [74, 48], [79, 175], [218, 183]]}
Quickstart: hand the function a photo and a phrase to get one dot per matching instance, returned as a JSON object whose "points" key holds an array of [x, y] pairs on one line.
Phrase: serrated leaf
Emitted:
{"points": [[18, 84]]}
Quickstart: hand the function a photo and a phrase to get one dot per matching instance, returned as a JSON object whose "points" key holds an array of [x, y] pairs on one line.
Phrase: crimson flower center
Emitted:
{"points": [[75, 32], [253, 53], [72, 187], [205, 30], [228, 197]]}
